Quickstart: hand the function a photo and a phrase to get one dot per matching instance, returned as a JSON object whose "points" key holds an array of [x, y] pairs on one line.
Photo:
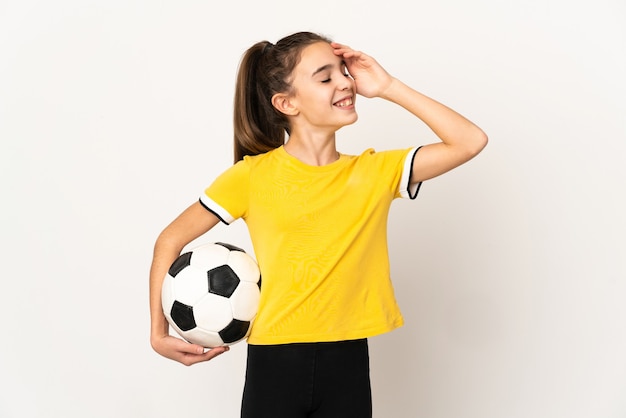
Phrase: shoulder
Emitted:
{"points": [[260, 159], [248, 163], [386, 157]]}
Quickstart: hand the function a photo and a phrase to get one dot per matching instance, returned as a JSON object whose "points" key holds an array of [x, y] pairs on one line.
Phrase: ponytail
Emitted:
{"points": [[265, 70], [257, 124]]}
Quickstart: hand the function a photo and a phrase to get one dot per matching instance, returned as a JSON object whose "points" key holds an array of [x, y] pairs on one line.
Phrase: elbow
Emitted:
{"points": [[477, 143], [472, 145]]}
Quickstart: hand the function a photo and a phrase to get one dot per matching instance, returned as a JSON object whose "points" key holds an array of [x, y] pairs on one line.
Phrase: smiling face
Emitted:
{"points": [[323, 93]]}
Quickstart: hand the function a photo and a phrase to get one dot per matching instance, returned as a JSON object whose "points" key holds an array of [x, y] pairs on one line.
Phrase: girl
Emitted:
{"points": [[317, 220]]}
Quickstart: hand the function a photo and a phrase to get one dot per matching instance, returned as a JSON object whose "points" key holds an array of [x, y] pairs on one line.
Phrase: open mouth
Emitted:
{"points": [[345, 102]]}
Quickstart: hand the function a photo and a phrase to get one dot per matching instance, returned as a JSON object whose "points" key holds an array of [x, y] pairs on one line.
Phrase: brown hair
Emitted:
{"points": [[265, 69]]}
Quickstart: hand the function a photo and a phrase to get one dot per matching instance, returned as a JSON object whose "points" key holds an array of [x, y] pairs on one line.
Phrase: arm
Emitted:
{"points": [[461, 140], [190, 224]]}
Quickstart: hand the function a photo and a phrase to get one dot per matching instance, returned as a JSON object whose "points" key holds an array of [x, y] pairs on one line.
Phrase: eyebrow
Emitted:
{"points": [[327, 67], [322, 68]]}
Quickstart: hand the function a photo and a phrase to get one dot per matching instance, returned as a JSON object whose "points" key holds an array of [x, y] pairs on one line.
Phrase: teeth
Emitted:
{"points": [[344, 103]]}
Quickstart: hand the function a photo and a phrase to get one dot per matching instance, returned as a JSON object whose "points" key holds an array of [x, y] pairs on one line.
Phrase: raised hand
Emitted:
{"points": [[370, 77]]}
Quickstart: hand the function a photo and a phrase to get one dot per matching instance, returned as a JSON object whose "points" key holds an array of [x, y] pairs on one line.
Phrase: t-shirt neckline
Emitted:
{"points": [[312, 168]]}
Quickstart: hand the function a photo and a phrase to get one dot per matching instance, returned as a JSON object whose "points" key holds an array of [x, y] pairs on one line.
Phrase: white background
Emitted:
{"points": [[510, 271]]}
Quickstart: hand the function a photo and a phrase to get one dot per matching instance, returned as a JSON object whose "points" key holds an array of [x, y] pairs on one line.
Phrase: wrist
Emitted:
{"points": [[390, 91]]}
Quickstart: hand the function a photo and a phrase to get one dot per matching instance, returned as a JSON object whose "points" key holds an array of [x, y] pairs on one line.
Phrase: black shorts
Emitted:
{"points": [[308, 380]]}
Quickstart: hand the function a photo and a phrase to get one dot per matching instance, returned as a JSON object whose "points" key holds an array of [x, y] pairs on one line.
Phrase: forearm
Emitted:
{"points": [[165, 252], [191, 224], [451, 127]]}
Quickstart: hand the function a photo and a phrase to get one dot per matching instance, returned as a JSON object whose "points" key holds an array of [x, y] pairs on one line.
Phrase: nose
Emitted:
{"points": [[345, 83]]}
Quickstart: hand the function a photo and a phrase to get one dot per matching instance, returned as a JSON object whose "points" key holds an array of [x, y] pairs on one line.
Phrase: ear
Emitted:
{"points": [[282, 102]]}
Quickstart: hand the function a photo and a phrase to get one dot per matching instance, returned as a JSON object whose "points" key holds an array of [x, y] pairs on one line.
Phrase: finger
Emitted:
{"points": [[187, 348], [338, 45], [191, 358], [340, 49], [214, 352]]}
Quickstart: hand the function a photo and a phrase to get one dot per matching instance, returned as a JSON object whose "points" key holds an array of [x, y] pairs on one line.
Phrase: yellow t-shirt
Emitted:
{"points": [[320, 237]]}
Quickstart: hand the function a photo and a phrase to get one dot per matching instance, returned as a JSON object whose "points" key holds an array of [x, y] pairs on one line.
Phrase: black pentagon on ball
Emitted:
{"points": [[179, 264], [182, 315], [234, 331], [222, 281], [230, 246]]}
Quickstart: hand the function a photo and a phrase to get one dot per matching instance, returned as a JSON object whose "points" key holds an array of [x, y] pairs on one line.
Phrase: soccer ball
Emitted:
{"points": [[211, 294]]}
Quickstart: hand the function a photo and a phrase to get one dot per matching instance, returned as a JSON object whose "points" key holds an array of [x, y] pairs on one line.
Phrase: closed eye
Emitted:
{"points": [[344, 72]]}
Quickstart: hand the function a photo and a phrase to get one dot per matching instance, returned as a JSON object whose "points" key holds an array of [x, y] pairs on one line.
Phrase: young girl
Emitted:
{"points": [[317, 220]]}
